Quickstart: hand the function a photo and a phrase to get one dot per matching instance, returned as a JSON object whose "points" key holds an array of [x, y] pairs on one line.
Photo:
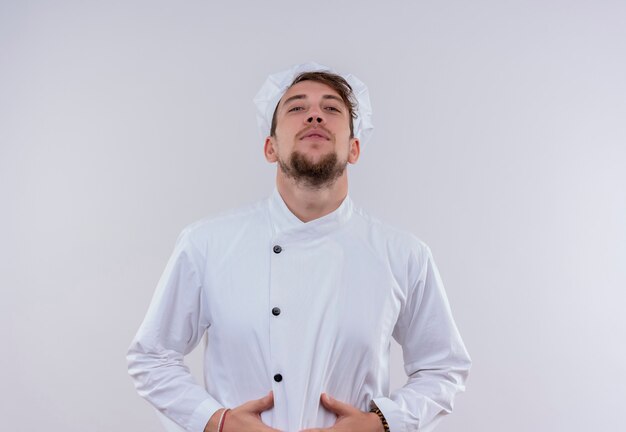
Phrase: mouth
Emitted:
{"points": [[316, 134]]}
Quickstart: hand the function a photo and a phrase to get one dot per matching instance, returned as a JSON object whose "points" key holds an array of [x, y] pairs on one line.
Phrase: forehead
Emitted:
{"points": [[310, 89]]}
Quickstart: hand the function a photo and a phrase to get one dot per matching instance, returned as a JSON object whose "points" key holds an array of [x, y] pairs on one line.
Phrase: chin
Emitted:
{"points": [[314, 156]]}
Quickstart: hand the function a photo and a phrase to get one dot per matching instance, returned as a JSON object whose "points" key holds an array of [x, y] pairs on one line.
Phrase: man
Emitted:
{"points": [[300, 293]]}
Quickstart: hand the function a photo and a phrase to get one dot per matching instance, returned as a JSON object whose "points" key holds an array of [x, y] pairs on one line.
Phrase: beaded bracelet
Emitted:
{"points": [[380, 415]]}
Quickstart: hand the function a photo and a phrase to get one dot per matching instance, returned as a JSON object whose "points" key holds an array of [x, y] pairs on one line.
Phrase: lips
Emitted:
{"points": [[316, 134]]}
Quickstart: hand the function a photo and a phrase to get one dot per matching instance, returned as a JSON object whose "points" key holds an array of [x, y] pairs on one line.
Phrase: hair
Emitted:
{"points": [[334, 81]]}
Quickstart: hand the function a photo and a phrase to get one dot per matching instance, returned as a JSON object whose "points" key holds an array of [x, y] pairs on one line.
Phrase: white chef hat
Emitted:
{"points": [[277, 84]]}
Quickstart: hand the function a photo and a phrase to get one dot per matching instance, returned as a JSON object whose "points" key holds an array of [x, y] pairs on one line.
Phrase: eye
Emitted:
{"points": [[296, 108], [332, 108]]}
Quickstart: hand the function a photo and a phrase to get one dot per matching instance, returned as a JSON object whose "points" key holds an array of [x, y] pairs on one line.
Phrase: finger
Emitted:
{"points": [[263, 404], [336, 406], [262, 427]]}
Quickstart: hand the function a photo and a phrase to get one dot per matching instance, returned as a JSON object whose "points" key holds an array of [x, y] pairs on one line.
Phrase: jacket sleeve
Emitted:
{"points": [[173, 326], [435, 358]]}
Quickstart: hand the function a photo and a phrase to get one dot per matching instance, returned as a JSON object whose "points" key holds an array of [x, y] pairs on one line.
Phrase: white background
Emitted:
{"points": [[500, 140]]}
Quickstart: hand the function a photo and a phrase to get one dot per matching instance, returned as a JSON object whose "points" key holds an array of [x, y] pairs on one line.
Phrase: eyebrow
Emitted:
{"points": [[301, 96]]}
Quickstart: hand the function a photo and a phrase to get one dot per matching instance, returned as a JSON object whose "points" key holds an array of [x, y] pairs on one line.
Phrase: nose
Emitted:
{"points": [[314, 119]]}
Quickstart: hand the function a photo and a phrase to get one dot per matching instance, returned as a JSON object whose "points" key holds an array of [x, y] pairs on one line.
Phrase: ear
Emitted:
{"points": [[355, 150], [269, 149]]}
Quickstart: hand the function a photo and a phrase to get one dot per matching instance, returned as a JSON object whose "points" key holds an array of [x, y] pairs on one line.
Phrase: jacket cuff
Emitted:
{"points": [[393, 414], [202, 414]]}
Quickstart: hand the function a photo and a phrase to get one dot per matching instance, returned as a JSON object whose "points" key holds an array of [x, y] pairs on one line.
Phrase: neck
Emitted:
{"points": [[309, 203]]}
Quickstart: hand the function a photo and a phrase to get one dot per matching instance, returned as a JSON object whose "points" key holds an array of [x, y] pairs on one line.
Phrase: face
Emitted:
{"points": [[312, 143]]}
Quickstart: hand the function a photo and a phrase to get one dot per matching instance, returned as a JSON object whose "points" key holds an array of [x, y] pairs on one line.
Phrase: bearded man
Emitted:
{"points": [[300, 293]]}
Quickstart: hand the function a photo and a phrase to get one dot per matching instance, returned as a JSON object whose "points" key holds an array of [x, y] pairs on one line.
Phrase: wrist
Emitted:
{"points": [[213, 423], [375, 420], [383, 426]]}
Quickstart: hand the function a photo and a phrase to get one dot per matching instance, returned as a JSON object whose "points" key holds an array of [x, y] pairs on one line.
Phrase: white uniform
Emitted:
{"points": [[300, 309]]}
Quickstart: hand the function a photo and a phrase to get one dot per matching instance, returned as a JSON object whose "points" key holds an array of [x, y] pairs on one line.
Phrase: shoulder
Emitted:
{"points": [[226, 223], [402, 252], [389, 237]]}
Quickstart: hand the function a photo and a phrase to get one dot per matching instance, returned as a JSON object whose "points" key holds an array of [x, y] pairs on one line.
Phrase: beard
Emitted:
{"points": [[314, 175]]}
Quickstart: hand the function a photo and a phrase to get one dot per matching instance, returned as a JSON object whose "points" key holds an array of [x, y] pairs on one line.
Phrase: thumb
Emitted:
{"points": [[265, 403], [336, 406]]}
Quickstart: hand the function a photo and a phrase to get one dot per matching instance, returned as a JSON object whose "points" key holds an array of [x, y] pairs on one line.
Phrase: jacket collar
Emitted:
{"points": [[287, 226]]}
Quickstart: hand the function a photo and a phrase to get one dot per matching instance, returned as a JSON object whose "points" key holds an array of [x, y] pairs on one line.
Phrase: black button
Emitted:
{"points": [[278, 377], [276, 311], [277, 249]]}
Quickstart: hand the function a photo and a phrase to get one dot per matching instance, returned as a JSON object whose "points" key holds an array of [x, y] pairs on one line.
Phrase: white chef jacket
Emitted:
{"points": [[299, 308]]}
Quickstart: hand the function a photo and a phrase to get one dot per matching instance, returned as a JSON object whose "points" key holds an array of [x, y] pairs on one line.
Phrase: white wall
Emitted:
{"points": [[500, 141]]}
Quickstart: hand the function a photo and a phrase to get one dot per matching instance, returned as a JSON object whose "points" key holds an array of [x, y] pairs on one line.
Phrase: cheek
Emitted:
{"points": [[342, 134], [286, 131], [341, 128], [283, 145]]}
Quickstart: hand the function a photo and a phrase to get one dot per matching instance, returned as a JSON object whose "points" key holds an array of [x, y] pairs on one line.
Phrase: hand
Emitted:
{"points": [[244, 418], [349, 418]]}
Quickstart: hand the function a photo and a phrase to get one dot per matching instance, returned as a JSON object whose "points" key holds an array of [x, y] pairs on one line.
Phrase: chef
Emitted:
{"points": [[301, 292]]}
